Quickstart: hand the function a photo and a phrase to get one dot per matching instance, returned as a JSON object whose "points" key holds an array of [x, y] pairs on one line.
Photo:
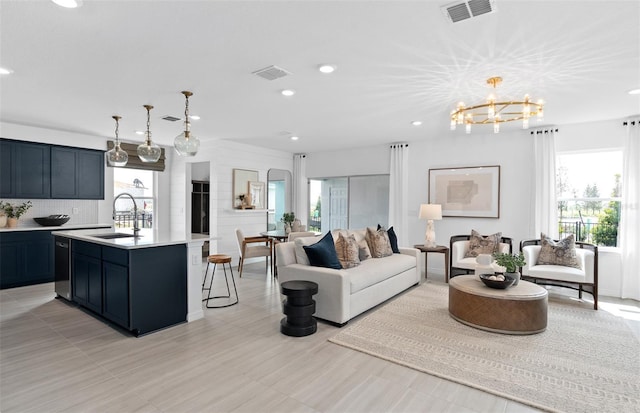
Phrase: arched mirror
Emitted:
{"points": [[279, 183]]}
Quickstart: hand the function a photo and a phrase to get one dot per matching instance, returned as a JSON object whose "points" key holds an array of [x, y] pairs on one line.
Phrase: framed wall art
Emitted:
{"points": [[472, 191]]}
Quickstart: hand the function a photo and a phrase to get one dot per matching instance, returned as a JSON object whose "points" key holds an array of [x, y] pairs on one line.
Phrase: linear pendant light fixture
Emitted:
{"points": [[494, 113], [149, 151], [116, 156], [186, 144]]}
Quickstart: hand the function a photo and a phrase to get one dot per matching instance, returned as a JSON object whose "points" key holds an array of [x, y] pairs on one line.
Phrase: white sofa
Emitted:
{"points": [[345, 293], [582, 279]]}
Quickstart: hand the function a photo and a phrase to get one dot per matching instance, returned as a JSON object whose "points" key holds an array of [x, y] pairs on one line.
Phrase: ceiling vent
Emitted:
{"points": [[459, 11], [271, 72], [170, 118]]}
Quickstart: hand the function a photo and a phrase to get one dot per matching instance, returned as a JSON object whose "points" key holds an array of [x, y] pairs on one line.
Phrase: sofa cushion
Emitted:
{"points": [[323, 253], [561, 252], [347, 250], [379, 243], [376, 270], [482, 245], [393, 239], [301, 255]]}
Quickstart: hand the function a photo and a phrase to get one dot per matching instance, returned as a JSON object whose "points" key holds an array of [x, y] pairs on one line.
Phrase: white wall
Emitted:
{"points": [[513, 151], [223, 157]]}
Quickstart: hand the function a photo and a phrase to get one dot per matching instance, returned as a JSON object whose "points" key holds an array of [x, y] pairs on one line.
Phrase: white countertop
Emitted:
{"points": [[147, 238], [63, 227]]}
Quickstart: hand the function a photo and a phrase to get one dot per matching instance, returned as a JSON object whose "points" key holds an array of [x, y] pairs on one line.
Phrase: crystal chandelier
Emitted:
{"points": [[116, 156], [494, 113], [186, 144], [148, 151]]}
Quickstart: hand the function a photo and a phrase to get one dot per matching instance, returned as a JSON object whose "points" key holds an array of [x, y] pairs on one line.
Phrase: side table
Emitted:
{"points": [[298, 308], [438, 248]]}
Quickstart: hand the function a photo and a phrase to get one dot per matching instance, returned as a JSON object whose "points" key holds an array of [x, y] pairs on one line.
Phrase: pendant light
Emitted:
{"points": [[186, 144], [116, 156], [148, 151]]}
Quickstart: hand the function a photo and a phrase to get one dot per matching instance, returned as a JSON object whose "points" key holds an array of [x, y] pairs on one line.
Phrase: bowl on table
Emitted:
{"points": [[501, 285], [52, 220]]}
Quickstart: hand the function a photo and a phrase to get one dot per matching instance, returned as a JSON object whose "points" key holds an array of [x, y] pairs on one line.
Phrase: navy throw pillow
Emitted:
{"points": [[323, 253], [393, 239]]}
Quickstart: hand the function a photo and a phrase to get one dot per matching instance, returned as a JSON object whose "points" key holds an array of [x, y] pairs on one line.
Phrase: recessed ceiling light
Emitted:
{"points": [[288, 92], [194, 117], [634, 92], [69, 4], [5, 71], [326, 68], [139, 132], [416, 123], [294, 138]]}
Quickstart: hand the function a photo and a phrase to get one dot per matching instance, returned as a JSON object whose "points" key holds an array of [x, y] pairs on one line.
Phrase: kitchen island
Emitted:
{"points": [[143, 283]]}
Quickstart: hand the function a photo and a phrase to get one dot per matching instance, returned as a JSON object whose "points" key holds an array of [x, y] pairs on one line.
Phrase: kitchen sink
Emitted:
{"points": [[115, 235]]}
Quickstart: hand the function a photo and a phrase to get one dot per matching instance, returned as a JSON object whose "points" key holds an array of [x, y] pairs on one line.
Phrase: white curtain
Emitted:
{"points": [[545, 216], [630, 212], [300, 196], [399, 191]]}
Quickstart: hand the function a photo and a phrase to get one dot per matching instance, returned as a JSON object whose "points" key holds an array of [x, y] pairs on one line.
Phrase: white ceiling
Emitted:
{"points": [[397, 61]]}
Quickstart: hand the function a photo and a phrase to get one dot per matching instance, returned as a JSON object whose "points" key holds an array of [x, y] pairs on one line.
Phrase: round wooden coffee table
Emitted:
{"points": [[520, 309]]}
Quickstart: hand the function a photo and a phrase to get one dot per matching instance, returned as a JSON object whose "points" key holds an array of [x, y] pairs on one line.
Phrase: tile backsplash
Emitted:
{"points": [[87, 210]]}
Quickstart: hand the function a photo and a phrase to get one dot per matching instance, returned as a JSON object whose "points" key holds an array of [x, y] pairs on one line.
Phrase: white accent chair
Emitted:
{"points": [[246, 250], [300, 234], [459, 246], [582, 279]]}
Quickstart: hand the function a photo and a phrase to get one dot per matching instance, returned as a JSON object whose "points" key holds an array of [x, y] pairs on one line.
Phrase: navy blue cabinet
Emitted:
{"points": [[25, 170], [86, 275], [26, 257], [142, 289], [76, 173], [34, 170]]}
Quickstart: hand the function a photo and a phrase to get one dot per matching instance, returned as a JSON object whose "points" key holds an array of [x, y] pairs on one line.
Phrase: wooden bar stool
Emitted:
{"points": [[216, 259]]}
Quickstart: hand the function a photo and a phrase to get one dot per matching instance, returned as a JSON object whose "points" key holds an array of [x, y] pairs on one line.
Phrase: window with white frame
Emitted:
{"points": [[588, 189], [139, 184]]}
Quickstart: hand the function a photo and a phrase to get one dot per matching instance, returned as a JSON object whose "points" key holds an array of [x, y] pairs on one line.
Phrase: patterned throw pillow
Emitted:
{"points": [[393, 239], [347, 250], [561, 252], [483, 245], [379, 243]]}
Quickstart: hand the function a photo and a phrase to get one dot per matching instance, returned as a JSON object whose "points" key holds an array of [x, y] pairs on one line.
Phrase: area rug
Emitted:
{"points": [[586, 360]]}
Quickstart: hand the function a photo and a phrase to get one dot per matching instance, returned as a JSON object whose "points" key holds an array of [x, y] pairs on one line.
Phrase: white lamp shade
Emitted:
{"points": [[430, 211]]}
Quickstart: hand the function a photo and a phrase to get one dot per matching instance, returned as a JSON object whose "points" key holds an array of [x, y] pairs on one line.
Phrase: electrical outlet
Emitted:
{"points": [[195, 259], [75, 211]]}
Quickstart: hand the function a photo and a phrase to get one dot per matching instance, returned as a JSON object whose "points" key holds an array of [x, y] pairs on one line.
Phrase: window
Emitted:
{"points": [[588, 186], [348, 202], [139, 184]]}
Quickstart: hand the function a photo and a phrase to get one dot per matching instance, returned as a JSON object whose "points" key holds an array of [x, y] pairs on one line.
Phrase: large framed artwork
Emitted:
{"points": [[472, 191]]}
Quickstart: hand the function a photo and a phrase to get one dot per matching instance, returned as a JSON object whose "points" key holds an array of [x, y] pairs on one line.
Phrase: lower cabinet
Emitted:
{"points": [[26, 257], [141, 290]]}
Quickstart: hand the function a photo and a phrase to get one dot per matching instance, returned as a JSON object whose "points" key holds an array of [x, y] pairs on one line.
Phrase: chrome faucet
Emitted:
{"points": [[135, 212]]}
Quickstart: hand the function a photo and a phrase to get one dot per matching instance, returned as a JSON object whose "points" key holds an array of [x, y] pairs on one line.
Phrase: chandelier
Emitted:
{"points": [[117, 156], [186, 144], [494, 113], [149, 151]]}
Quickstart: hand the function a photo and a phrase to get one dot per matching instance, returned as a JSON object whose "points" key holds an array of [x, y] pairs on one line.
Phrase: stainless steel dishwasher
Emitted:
{"points": [[63, 267]]}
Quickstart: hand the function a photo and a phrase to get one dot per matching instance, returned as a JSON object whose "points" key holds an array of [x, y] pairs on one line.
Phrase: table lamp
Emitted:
{"points": [[430, 212]]}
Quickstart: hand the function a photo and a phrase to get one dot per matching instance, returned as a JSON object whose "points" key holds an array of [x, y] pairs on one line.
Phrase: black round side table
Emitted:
{"points": [[298, 307]]}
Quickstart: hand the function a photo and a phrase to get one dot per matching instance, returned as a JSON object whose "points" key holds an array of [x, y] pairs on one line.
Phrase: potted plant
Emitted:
{"points": [[510, 262], [14, 212], [288, 218]]}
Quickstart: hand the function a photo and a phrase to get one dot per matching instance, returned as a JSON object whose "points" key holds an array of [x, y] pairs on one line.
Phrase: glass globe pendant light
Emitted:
{"points": [[186, 144], [116, 156], [148, 151]]}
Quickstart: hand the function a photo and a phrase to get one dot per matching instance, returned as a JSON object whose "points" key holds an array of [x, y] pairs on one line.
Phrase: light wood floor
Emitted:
{"points": [[55, 357]]}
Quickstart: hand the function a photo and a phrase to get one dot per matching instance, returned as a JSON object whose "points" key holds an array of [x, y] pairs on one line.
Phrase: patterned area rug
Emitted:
{"points": [[586, 360]]}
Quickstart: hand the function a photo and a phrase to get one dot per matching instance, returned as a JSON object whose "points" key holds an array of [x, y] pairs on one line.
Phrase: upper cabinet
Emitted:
{"points": [[25, 170], [76, 173], [34, 170]]}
